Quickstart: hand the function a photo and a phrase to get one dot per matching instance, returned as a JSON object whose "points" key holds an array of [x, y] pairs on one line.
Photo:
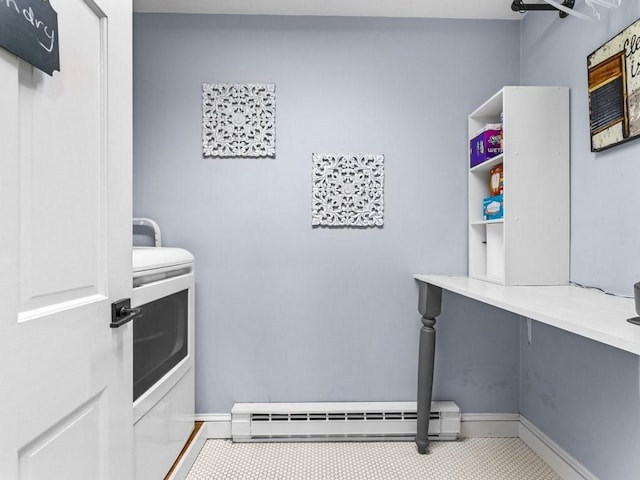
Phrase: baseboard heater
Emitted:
{"points": [[260, 422]]}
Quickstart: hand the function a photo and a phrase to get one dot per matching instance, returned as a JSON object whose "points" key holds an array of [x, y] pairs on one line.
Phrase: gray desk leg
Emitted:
{"points": [[429, 305]]}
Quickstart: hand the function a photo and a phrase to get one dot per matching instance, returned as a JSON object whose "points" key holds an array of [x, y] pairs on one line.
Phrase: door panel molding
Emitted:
{"points": [[52, 454], [64, 258]]}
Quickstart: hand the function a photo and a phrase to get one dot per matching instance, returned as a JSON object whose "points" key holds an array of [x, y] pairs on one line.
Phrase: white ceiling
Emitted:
{"points": [[484, 9]]}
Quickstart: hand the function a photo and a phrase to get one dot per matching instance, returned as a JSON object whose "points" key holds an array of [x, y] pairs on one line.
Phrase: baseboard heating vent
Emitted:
{"points": [[340, 421]]}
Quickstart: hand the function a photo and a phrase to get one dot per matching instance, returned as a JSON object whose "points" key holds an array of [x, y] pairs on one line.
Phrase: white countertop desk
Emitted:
{"points": [[586, 312]]}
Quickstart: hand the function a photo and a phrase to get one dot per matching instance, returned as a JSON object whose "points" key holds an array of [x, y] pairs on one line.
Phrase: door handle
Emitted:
{"points": [[122, 313]]}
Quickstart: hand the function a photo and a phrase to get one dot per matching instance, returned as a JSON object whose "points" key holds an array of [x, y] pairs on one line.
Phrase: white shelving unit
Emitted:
{"points": [[530, 245]]}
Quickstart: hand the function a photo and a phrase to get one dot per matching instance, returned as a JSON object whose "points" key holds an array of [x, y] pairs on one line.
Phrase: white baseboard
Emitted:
{"points": [[555, 456], [473, 425], [181, 470], [484, 425], [218, 425]]}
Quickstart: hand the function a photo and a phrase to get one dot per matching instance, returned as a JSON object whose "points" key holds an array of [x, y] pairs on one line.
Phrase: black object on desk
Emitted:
{"points": [[636, 295]]}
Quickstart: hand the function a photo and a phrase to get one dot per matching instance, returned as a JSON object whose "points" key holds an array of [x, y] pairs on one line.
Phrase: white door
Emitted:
{"points": [[65, 251]]}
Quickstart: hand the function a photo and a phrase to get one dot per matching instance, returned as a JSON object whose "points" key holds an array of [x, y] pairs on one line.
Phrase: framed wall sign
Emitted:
{"points": [[614, 90], [29, 30]]}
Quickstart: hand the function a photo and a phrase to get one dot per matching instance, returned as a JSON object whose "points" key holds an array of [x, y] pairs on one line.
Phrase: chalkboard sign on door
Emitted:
{"points": [[614, 90], [29, 29]]}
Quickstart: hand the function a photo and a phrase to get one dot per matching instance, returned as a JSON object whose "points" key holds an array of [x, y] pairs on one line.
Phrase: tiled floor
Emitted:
{"points": [[470, 458]]}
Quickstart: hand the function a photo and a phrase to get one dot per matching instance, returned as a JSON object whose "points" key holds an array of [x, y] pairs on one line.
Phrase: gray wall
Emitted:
{"points": [[290, 313], [286, 312], [583, 394], [605, 225]]}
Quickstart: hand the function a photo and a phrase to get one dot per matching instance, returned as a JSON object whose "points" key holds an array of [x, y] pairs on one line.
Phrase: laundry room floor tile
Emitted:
{"points": [[469, 458]]}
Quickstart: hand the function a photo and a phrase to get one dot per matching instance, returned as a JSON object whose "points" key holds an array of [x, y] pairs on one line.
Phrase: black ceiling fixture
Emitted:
{"points": [[520, 6]]}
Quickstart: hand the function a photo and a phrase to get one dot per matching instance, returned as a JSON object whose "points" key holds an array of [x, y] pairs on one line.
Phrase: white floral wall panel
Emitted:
{"points": [[238, 120], [348, 190]]}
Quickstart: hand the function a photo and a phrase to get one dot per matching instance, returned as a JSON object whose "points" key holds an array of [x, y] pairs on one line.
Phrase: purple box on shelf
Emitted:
{"points": [[485, 145]]}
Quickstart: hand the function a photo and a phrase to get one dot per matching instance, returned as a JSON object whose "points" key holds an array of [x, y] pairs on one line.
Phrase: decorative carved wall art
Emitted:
{"points": [[238, 120], [348, 190]]}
